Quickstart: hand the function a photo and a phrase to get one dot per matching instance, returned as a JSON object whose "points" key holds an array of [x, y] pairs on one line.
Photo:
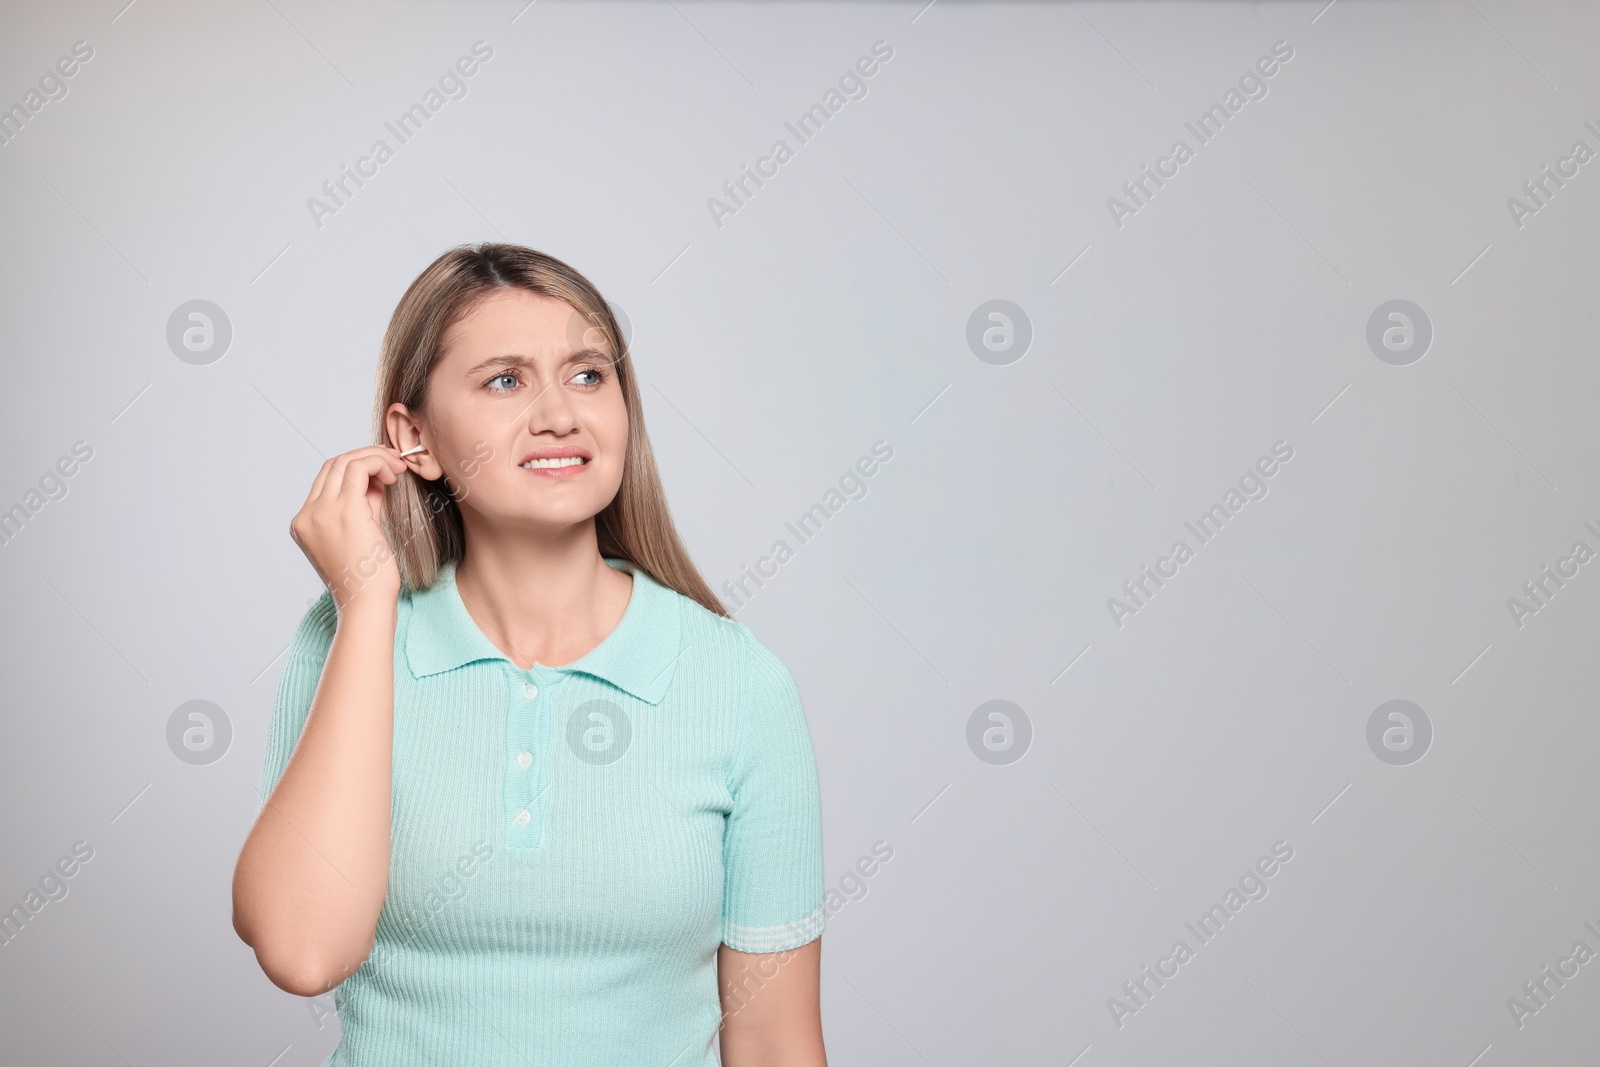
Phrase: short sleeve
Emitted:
{"points": [[772, 851], [297, 685]]}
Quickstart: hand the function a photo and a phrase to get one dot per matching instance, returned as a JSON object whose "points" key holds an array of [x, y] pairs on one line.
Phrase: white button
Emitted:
{"points": [[522, 817], [530, 691], [524, 759]]}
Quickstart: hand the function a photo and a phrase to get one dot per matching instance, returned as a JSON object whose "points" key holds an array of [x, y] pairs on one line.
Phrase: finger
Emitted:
{"points": [[394, 466], [387, 451], [387, 474], [328, 495], [407, 462], [392, 455], [321, 480], [342, 471], [360, 470]]}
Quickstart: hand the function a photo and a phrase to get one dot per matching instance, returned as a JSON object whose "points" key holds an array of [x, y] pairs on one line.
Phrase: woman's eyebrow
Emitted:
{"points": [[509, 360], [512, 359]]}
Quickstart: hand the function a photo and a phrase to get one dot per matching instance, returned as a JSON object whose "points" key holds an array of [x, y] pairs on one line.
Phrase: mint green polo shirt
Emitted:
{"points": [[572, 844]]}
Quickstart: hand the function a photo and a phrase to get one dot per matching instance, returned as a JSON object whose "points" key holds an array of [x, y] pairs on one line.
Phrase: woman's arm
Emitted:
{"points": [[771, 1007], [314, 870]]}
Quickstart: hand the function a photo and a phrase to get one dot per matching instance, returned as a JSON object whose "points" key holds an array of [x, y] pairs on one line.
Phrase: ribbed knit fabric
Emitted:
{"points": [[572, 844]]}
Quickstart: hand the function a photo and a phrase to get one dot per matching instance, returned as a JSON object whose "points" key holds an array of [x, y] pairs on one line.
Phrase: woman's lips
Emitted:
{"points": [[561, 467]]}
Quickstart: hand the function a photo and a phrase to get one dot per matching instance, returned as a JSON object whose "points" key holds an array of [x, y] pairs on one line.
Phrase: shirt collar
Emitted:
{"points": [[637, 656]]}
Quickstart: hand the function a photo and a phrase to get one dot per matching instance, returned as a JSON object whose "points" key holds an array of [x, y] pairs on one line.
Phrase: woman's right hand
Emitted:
{"points": [[311, 921], [340, 530]]}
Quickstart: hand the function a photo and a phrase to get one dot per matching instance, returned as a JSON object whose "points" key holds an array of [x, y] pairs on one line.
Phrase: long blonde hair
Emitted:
{"points": [[422, 519]]}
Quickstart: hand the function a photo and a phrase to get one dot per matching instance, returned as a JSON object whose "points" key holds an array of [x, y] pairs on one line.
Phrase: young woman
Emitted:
{"points": [[532, 796]]}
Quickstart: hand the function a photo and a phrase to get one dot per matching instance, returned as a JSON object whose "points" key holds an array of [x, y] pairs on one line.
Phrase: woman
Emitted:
{"points": [[496, 860]]}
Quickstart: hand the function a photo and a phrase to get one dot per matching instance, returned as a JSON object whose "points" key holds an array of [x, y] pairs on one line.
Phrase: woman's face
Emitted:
{"points": [[524, 414]]}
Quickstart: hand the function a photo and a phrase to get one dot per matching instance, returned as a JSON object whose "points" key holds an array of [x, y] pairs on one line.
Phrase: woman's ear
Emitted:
{"points": [[405, 432]]}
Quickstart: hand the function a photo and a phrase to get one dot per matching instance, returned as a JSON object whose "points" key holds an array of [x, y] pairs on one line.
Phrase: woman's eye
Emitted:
{"points": [[500, 378], [594, 376]]}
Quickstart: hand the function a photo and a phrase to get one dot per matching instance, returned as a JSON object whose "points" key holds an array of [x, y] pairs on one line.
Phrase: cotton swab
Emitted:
{"points": [[412, 451]]}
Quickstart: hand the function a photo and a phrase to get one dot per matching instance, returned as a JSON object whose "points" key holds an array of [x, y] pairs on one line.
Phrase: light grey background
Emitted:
{"points": [[828, 313]]}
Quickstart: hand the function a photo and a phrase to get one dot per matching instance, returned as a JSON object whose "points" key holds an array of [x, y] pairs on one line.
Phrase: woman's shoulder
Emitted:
{"points": [[733, 645], [701, 625]]}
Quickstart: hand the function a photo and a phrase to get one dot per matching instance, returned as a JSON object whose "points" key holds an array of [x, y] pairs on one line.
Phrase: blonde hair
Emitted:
{"points": [[422, 519]]}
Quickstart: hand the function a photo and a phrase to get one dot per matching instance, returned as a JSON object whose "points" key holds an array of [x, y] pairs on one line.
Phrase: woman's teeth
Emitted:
{"points": [[563, 461]]}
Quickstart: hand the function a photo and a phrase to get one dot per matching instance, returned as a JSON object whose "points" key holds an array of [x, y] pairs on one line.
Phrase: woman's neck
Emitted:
{"points": [[547, 601]]}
